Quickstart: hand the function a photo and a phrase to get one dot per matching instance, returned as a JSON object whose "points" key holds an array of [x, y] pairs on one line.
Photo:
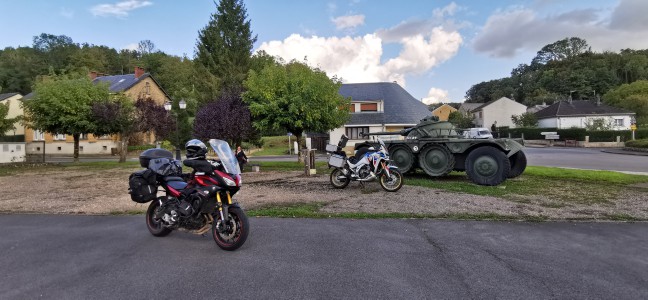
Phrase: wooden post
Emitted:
{"points": [[305, 156]]}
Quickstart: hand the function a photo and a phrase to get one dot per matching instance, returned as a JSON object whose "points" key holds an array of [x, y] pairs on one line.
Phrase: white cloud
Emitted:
{"points": [[347, 22], [66, 13], [506, 33], [416, 26], [119, 9], [358, 59], [435, 95], [131, 46]]}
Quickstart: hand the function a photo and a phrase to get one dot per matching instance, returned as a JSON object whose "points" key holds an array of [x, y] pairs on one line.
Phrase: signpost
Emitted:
{"points": [[633, 127], [289, 134], [551, 136]]}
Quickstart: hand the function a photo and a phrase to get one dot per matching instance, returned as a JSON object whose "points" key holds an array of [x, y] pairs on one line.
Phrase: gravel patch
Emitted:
{"points": [[105, 192]]}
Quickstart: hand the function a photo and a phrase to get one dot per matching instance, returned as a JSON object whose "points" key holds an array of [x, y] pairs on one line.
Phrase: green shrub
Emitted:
{"points": [[643, 143]]}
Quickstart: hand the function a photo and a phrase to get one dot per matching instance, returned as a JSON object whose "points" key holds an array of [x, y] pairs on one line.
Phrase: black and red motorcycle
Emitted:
{"points": [[195, 202]]}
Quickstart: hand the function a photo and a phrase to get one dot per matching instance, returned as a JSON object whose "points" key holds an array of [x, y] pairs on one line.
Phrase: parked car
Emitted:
{"points": [[477, 133]]}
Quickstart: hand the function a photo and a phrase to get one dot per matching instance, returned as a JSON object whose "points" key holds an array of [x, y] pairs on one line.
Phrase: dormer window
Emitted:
{"points": [[357, 107], [369, 107]]}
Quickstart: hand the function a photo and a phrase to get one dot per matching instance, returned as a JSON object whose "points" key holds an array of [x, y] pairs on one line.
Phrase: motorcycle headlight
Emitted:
{"points": [[229, 182]]}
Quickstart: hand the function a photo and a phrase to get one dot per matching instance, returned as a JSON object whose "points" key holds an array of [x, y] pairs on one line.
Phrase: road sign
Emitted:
{"points": [[552, 137], [289, 133], [633, 127], [549, 133]]}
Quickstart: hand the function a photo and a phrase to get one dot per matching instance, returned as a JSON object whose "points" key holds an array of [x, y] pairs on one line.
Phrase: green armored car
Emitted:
{"points": [[438, 148]]}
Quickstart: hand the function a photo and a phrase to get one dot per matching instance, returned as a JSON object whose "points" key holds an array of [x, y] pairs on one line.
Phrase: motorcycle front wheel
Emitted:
{"points": [[153, 223], [393, 182], [338, 179], [231, 235]]}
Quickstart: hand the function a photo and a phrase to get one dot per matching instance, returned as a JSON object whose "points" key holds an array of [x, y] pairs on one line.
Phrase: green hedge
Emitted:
{"points": [[574, 134], [643, 143]]}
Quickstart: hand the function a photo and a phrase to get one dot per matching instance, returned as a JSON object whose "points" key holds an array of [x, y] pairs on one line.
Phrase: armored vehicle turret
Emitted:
{"points": [[438, 148]]}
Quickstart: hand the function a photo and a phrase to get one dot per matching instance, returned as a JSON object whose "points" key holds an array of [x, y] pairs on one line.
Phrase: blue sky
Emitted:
{"points": [[435, 49]]}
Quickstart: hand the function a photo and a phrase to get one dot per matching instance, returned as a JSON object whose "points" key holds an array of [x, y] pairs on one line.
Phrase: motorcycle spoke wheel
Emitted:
{"points": [[231, 235], [338, 179], [153, 223]]}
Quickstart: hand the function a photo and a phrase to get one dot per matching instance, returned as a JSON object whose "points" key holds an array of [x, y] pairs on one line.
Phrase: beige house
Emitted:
{"points": [[378, 106], [497, 112], [443, 112], [139, 85], [15, 110]]}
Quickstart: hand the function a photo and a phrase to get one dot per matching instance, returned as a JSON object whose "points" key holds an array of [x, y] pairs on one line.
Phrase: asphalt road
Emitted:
{"points": [[585, 158], [101, 257]]}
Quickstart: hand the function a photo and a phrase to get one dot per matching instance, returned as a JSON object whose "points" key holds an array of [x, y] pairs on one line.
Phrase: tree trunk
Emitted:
{"points": [[300, 158], [123, 147], [76, 147]]}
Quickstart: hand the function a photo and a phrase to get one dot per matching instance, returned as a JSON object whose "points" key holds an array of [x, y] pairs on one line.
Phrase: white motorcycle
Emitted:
{"points": [[365, 166]]}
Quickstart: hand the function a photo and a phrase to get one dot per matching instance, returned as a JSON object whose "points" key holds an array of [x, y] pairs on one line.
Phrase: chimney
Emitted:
{"points": [[93, 75], [138, 72]]}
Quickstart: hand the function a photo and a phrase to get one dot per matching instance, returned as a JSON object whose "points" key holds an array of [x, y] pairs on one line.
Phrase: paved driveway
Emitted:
{"points": [[109, 257]]}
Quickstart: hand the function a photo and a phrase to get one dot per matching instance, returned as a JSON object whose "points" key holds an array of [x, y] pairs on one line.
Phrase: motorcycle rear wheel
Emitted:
{"points": [[392, 183], [336, 182], [154, 224], [235, 236]]}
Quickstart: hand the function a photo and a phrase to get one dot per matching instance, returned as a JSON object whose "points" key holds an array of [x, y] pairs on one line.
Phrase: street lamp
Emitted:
{"points": [[167, 107]]}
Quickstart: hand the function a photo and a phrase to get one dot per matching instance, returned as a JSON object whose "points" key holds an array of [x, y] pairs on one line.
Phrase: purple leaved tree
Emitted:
{"points": [[227, 118], [153, 118]]}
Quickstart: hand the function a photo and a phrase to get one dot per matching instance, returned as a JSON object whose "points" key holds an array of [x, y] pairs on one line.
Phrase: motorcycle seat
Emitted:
{"points": [[172, 178]]}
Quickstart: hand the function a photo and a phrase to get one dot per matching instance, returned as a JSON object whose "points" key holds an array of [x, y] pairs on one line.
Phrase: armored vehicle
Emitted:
{"points": [[438, 148]]}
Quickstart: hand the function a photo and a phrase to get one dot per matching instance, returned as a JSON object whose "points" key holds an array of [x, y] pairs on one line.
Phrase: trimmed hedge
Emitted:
{"points": [[13, 138], [643, 143], [574, 134]]}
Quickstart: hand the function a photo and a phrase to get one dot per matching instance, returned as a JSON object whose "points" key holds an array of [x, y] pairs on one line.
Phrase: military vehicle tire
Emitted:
{"points": [[518, 164], [402, 157], [487, 166], [436, 160]]}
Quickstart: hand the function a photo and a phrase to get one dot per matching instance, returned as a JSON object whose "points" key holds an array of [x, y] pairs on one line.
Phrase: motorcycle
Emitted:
{"points": [[201, 200], [365, 166]]}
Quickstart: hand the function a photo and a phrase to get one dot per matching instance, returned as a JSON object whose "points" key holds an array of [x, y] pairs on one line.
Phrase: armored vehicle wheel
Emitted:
{"points": [[518, 164], [436, 160], [402, 157], [487, 166]]}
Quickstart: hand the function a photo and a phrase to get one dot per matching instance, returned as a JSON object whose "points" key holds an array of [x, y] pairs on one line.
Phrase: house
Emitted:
{"points": [[443, 112], [15, 110], [139, 85], [467, 108], [580, 113], [497, 112], [536, 108], [378, 106]]}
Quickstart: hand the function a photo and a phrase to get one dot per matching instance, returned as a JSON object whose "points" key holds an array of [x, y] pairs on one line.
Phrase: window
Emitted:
{"points": [[369, 107], [39, 135], [618, 122], [59, 137], [83, 136], [18, 148], [80, 148], [5, 148], [354, 132]]}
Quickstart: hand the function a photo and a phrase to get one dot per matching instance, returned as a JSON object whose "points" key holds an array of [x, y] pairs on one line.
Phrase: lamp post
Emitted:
{"points": [[167, 107]]}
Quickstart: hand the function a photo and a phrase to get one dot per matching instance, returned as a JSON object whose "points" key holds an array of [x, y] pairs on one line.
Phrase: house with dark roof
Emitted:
{"points": [[580, 113], [378, 106], [15, 110], [498, 112], [138, 85]]}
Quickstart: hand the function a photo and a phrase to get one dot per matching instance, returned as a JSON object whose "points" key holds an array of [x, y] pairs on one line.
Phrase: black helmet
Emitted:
{"points": [[195, 149]]}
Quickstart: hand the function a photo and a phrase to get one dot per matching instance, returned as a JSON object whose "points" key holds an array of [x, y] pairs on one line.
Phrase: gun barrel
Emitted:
{"points": [[384, 133]]}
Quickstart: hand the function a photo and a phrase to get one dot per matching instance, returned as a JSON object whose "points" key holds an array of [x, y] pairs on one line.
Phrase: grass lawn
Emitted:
{"points": [[274, 145]]}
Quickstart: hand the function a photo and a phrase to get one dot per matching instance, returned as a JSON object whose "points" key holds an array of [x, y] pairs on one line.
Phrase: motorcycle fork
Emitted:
{"points": [[385, 169], [222, 208]]}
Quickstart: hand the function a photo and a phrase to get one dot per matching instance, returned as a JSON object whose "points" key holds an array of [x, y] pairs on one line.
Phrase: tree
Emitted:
{"points": [[527, 119], [6, 124], [460, 120], [115, 116], [223, 49], [64, 106], [295, 98], [633, 97], [226, 118], [566, 48], [598, 124], [152, 118]]}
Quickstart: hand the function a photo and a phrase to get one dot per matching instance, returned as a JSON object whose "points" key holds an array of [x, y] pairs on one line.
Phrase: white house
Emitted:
{"points": [[500, 111], [379, 106], [580, 113]]}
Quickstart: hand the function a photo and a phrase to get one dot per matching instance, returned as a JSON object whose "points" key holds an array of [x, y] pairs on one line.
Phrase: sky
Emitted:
{"points": [[435, 49]]}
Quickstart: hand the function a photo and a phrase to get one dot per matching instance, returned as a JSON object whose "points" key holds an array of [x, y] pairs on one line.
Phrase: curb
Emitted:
{"points": [[625, 152]]}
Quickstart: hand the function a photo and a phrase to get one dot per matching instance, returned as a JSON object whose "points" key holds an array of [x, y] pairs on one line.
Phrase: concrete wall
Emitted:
{"points": [[12, 152], [100, 147]]}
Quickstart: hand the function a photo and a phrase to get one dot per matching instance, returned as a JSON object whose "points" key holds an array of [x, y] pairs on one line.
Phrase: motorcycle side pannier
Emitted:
{"points": [[336, 160], [142, 186]]}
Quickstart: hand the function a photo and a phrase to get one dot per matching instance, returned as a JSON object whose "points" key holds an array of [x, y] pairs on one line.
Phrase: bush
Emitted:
{"points": [[13, 138], [643, 143]]}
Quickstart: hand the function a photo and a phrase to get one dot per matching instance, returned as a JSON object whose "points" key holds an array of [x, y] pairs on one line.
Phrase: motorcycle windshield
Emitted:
{"points": [[226, 156]]}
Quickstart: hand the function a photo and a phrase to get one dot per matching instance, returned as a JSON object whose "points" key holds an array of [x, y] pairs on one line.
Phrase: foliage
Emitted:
{"points": [[6, 124], [460, 120], [562, 70], [223, 49], [152, 118], [598, 124], [295, 98], [643, 143], [63, 105], [633, 96], [527, 119], [227, 118]]}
